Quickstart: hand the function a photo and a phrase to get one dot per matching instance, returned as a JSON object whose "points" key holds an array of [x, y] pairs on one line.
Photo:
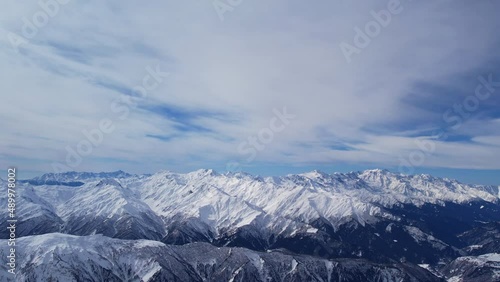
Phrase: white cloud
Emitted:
{"points": [[263, 56]]}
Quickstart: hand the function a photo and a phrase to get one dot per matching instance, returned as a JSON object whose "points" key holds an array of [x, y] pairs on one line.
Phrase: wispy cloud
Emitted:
{"points": [[227, 76]]}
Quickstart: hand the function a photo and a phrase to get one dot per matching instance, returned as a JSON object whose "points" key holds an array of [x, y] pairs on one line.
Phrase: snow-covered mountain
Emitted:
{"points": [[74, 178], [61, 257], [373, 214], [479, 268], [110, 209]]}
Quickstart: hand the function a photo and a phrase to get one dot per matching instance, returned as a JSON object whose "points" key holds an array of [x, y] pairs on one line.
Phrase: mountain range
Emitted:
{"points": [[372, 225]]}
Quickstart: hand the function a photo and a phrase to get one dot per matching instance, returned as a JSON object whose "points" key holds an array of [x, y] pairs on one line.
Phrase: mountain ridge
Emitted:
{"points": [[375, 215]]}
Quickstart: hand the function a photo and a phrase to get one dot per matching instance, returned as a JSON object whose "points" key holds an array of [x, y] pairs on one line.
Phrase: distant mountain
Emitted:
{"points": [[375, 215], [73, 178]]}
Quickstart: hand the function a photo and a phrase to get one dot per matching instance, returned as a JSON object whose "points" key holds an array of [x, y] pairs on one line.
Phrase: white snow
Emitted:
{"points": [[420, 236], [482, 259], [235, 274], [86, 251], [490, 257], [424, 266], [294, 265], [284, 205], [474, 247], [312, 230], [455, 279], [151, 272]]}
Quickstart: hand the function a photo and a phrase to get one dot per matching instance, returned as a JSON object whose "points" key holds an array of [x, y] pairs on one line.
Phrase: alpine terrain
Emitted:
{"points": [[373, 225]]}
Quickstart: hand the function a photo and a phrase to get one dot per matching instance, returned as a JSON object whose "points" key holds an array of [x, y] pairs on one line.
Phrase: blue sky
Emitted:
{"points": [[262, 86]]}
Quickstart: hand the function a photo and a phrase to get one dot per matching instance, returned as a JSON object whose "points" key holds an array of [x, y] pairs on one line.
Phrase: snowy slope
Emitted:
{"points": [[287, 203], [60, 257], [345, 214], [108, 208], [468, 269]]}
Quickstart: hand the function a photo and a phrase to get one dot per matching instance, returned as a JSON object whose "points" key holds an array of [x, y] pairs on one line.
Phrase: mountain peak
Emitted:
{"points": [[315, 174], [110, 182], [377, 170], [203, 172]]}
